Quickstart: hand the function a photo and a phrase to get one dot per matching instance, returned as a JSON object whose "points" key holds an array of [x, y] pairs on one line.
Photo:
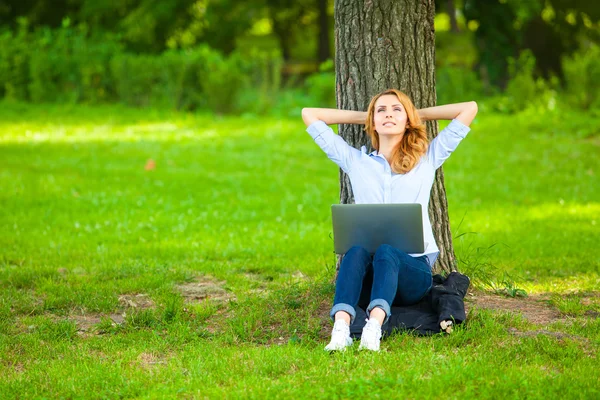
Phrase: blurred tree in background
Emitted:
{"points": [[84, 50], [551, 29]]}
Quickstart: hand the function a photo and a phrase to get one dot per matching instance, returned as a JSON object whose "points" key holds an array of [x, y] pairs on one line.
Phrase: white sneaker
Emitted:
{"points": [[371, 336], [340, 336]]}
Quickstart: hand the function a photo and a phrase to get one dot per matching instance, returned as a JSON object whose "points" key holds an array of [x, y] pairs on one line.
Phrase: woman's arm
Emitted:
{"points": [[333, 116], [464, 112]]}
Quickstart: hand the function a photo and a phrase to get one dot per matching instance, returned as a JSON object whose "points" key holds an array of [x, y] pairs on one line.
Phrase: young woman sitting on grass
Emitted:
{"points": [[400, 170]]}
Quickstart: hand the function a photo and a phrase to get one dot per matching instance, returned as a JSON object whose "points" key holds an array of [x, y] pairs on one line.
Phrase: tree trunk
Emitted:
{"points": [[283, 32], [324, 52], [381, 44], [452, 14]]}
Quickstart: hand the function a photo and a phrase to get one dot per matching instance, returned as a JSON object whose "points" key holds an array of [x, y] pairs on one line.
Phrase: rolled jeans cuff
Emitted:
{"points": [[381, 303], [343, 307]]}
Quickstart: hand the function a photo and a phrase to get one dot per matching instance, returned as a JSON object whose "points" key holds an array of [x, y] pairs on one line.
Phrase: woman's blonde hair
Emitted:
{"points": [[414, 142]]}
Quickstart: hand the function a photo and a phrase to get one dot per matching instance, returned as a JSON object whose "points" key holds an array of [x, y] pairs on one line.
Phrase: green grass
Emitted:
{"points": [[245, 201]]}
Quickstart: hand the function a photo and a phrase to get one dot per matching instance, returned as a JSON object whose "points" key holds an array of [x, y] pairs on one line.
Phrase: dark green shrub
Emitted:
{"points": [[63, 64], [167, 80], [137, 79], [457, 84], [582, 78], [524, 90], [262, 91], [15, 51], [66, 64], [176, 79], [221, 80], [92, 60], [53, 76], [321, 86]]}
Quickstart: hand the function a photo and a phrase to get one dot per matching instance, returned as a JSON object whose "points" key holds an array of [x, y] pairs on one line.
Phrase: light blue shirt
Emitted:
{"points": [[373, 181]]}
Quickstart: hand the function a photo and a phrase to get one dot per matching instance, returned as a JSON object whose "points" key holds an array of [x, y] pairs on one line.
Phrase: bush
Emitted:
{"points": [[15, 52], [180, 79], [53, 73], [168, 80], [221, 80], [68, 65], [263, 90], [582, 78], [456, 84], [47, 65], [321, 86], [524, 90]]}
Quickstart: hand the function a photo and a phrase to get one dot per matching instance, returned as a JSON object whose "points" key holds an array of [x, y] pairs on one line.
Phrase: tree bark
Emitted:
{"points": [[324, 52], [380, 44], [283, 32], [452, 14]]}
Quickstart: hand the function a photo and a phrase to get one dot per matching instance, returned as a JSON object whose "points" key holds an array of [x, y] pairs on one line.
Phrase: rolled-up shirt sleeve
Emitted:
{"points": [[446, 142], [333, 145]]}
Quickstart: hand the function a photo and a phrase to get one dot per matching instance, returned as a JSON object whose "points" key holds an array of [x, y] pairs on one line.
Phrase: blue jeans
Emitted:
{"points": [[390, 277]]}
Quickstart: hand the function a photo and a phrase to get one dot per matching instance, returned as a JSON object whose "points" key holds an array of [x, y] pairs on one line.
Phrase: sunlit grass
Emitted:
{"points": [[85, 218]]}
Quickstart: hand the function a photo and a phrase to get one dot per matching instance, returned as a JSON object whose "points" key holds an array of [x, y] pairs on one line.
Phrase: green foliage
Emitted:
{"points": [[67, 66], [199, 78], [455, 49], [321, 86], [261, 93], [509, 288], [64, 64], [169, 80], [15, 51], [524, 90], [582, 78], [457, 84], [221, 80]]}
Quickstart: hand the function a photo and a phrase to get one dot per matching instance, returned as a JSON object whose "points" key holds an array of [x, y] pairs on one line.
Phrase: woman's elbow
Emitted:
{"points": [[473, 106], [308, 116], [472, 109], [468, 113]]}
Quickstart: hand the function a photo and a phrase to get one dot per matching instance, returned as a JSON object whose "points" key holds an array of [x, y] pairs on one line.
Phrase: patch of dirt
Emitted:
{"points": [[323, 312], [141, 301], [590, 298], [12, 367], [534, 308], [557, 335], [217, 320], [148, 360], [205, 287], [85, 323]]}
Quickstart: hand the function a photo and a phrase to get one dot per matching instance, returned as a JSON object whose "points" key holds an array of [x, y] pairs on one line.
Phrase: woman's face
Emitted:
{"points": [[390, 117]]}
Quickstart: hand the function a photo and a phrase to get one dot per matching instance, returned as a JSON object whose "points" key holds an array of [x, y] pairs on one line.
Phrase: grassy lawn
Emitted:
{"points": [[167, 255]]}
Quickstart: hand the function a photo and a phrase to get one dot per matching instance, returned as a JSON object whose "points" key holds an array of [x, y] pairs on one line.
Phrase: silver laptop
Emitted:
{"points": [[371, 225]]}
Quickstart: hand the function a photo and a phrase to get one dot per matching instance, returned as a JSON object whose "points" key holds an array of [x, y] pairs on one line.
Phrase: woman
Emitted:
{"points": [[400, 170]]}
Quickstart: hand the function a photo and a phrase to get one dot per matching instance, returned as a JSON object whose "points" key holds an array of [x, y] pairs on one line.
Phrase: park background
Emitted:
{"points": [[164, 218]]}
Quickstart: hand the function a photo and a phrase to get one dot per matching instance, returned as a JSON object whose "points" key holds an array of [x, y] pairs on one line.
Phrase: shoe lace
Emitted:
{"points": [[371, 327], [339, 328]]}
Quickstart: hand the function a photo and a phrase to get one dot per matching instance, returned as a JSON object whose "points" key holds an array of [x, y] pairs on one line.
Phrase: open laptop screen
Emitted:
{"points": [[371, 225]]}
